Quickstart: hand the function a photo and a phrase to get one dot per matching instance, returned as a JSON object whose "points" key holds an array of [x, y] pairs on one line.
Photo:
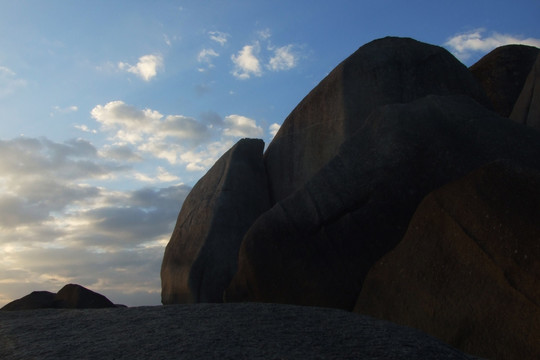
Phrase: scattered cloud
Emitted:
{"points": [[265, 34], [63, 110], [241, 126], [219, 37], [85, 128], [274, 128], [146, 68], [283, 59], [464, 45], [246, 63], [205, 56]]}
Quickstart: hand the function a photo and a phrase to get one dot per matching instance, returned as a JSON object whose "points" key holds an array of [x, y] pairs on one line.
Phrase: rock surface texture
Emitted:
{"points": [[384, 71], [201, 257], [71, 296], [316, 246], [212, 331], [502, 74], [527, 108], [468, 269]]}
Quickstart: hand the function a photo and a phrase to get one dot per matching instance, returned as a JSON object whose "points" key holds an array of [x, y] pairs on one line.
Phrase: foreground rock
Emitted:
{"points": [[468, 269], [384, 71], [527, 108], [316, 246], [201, 257], [212, 331], [502, 74], [71, 296]]}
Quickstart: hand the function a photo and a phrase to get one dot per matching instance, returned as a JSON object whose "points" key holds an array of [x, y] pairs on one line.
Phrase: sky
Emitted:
{"points": [[110, 111]]}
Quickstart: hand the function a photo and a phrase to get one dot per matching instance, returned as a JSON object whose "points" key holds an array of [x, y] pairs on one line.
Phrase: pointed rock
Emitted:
{"points": [[201, 256]]}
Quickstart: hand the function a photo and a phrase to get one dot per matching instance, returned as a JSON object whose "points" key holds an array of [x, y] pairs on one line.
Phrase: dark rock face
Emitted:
{"points": [[527, 107], [468, 269], [384, 71], [34, 300], [502, 74], [316, 246], [201, 257], [213, 331], [71, 296]]}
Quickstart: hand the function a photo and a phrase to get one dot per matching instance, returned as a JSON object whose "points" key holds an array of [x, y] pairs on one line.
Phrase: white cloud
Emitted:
{"points": [[464, 45], [283, 59], [63, 110], [219, 37], [205, 56], [274, 128], [246, 62], [265, 34], [85, 128], [241, 126], [146, 68]]}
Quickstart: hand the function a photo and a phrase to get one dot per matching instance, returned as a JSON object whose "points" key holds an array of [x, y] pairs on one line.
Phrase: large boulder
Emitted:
{"points": [[502, 74], [468, 268], [316, 246], [71, 296], [201, 256], [527, 107], [384, 71]]}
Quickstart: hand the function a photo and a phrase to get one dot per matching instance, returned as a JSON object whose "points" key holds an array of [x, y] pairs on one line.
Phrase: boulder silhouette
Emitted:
{"points": [[384, 71], [201, 256], [527, 107], [502, 74], [468, 269], [34, 300], [71, 296], [316, 246]]}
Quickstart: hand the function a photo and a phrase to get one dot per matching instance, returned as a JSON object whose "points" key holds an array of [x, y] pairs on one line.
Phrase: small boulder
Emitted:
{"points": [[502, 74], [468, 269], [202, 254]]}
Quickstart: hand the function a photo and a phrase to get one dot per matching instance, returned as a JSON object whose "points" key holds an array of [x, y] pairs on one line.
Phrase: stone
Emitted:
{"points": [[384, 71], [201, 256], [502, 74], [213, 331], [468, 269], [34, 300], [527, 107], [71, 296], [316, 246]]}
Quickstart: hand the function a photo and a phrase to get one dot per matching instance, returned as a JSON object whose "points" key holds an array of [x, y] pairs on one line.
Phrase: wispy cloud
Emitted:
{"points": [[219, 37], [146, 68], [205, 56], [283, 59], [9, 81], [466, 44]]}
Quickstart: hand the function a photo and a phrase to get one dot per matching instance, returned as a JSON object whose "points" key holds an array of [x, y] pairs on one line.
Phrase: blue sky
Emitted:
{"points": [[110, 111]]}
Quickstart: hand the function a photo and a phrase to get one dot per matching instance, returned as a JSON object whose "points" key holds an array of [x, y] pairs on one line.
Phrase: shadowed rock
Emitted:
{"points": [[201, 256], [527, 108], [213, 331], [468, 269], [502, 74], [71, 296], [316, 246], [384, 71]]}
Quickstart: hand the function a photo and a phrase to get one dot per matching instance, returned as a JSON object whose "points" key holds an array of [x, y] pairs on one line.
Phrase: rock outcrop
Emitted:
{"points": [[213, 331], [384, 71], [316, 246], [201, 257], [502, 74], [71, 296], [527, 107], [468, 269]]}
